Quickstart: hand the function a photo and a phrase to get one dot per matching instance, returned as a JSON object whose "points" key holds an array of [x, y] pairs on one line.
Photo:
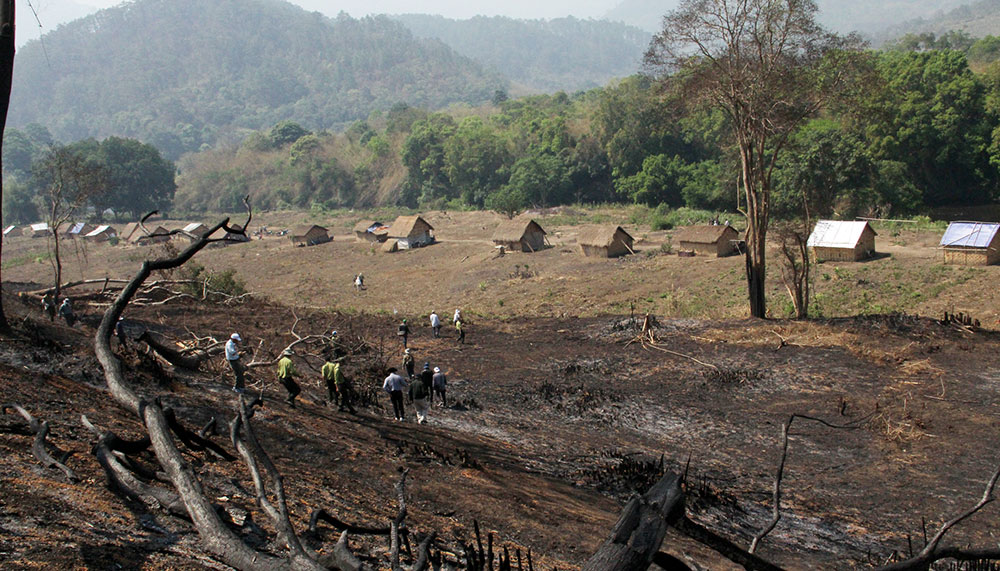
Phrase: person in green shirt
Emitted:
{"points": [[286, 376], [337, 387], [461, 331]]}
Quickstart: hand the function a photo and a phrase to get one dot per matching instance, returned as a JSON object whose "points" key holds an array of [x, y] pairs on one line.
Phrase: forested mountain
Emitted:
{"points": [[839, 15], [977, 19], [183, 73], [566, 54]]}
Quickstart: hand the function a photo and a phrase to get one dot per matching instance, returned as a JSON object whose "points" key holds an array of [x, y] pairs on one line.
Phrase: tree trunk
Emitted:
{"points": [[6, 76]]}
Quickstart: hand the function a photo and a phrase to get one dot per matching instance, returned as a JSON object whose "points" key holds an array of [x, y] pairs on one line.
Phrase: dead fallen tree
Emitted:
{"points": [[185, 360], [39, 447], [218, 539]]}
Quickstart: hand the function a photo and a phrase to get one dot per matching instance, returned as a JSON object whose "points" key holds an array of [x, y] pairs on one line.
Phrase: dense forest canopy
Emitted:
{"points": [[181, 74]]}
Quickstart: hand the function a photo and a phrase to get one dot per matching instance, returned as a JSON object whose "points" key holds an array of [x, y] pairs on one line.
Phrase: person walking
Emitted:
{"points": [[435, 324], [459, 326], [120, 332], [458, 316], [49, 306], [286, 376], [439, 383], [426, 376], [408, 363], [233, 358], [359, 282], [66, 311], [403, 331], [394, 384], [337, 387], [419, 392]]}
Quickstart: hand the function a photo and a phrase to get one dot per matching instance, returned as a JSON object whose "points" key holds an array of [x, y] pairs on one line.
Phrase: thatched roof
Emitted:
{"points": [[305, 229], [390, 246], [705, 234], [601, 236], [514, 230], [406, 226]]}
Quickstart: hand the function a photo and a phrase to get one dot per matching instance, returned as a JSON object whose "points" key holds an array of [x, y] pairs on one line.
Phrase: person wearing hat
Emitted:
{"points": [[337, 388], [419, 392], [394, 385], [286, 376], [408, 363], [233, 358], [403, 331], [439, 382], [426, 375], [335, 345]]}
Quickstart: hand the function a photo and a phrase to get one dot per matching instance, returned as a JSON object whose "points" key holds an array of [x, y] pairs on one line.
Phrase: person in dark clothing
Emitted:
{"points": [[66, 311], [394, 385], [427, 376], [404, 332], [439, 382], [120, 332], [408, 363], [460, 327], [419, 393]]}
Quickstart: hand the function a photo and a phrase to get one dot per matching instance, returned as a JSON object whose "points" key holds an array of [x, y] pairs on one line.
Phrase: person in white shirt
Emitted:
{"points": [[436, 324], [233, 358], [395, 384]]}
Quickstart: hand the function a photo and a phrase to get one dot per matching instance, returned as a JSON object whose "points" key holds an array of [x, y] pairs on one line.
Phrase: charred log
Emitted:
{"points": [[38, 446]]}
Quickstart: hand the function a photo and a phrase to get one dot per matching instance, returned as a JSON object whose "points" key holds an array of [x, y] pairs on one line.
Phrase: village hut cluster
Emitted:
{"points": [[965, 243]]}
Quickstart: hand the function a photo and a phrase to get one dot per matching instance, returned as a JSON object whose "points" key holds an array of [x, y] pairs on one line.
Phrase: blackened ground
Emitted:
{"points": [[553, 424]]}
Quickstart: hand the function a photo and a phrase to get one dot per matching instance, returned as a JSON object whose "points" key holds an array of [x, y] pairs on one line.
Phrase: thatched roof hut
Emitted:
{"points": [[605, 241], [309, 235], [236, 236], [520, 234], [371, 231], [842, 240], [390, 245], [411, 232], [713, 240]]}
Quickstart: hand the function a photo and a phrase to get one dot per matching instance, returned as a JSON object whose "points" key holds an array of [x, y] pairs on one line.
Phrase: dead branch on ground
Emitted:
{"points": [[38, 446], [218, 539], [933, 552], [647, 339]]}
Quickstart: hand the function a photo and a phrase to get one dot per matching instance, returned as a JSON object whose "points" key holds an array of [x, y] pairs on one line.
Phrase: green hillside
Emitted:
{"points": [[566, 54], [182, 73]]}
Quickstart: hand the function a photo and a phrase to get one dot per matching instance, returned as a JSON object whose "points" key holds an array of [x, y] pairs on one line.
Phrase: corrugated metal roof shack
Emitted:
{"points": [[842, 241], [971, 243]]}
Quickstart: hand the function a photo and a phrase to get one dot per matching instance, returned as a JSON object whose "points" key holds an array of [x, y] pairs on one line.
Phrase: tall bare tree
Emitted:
{"points": [[66, 183], [769, 66], [6, 77]]}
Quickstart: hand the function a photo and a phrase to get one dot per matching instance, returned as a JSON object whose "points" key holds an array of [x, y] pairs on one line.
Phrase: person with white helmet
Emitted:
{"points": [[435, 324], [439, 382], [233, 358]]}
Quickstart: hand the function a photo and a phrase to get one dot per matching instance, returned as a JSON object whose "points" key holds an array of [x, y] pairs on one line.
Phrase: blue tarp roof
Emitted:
{"points": [[970, 234]]}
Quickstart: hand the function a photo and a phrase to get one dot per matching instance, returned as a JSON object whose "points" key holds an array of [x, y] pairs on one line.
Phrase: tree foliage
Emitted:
{"points": [[768, 66]]}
